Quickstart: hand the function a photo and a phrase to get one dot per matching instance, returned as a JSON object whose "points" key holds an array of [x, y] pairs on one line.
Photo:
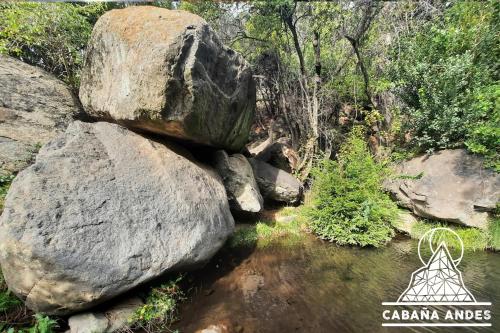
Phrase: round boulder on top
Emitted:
{"points": [[167, 72], [103, 210]]}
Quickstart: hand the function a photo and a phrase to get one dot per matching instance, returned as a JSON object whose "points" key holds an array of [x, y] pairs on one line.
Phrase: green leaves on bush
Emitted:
{"points": [[7, 299], [161, 307], [50, 35], [348, 204], [447, 75]]}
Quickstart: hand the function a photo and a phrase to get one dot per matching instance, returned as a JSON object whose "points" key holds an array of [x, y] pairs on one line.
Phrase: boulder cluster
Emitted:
{"points": [[119, 192]]}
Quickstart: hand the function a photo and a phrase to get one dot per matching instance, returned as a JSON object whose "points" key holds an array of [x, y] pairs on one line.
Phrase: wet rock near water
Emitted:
{"points": [[34, 107], [169, 74], [239, 181], [103, 210], [449, 185]]}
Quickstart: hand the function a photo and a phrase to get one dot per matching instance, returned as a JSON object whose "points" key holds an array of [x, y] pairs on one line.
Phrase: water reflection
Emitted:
{"points": [[320, 287]]}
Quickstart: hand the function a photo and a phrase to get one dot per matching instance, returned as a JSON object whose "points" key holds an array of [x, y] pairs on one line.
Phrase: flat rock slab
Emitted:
{"points": [[166, 71], [450, 185], [103, 210], [34, 107]]}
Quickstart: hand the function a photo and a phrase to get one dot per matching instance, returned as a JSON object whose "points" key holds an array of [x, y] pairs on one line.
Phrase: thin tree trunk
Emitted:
{"points": [[293, 29], [364, 72]]}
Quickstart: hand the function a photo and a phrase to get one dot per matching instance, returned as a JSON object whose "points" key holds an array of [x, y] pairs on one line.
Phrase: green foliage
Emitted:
{"points": [[494, 230], [348, 204], [473, 239], [43, 324], [447, 75], [264, 234], [50, 35], [7, 299], [161, 307], [5, 181]]}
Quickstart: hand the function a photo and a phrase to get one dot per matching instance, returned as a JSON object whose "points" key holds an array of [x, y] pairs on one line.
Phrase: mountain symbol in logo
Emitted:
{"points": [[438, 281]]}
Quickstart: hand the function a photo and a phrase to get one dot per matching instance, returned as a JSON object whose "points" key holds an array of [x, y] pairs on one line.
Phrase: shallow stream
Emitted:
{"points": [[320, 287]]}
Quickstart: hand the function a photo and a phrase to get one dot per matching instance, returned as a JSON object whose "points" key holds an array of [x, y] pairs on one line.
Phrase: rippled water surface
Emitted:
{"points": [[320, 287]]}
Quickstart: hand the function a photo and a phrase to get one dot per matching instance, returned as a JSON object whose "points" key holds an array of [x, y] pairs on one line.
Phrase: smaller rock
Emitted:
{"points": [[406, 222], [256, 147], [119, 316], [239, 181], [280, 154], [276, 184], [112, 320], [88, 323], [221, 328]]}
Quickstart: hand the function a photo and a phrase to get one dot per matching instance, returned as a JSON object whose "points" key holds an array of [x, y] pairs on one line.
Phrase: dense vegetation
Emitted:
{"points": [[419, 75], [352, 84], [348, 204], [447, 78]]}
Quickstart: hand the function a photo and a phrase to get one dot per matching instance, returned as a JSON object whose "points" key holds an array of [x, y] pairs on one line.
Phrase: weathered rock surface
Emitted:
{"points": [[405, 222], [88, 323], [34, 107], [279, 154], [454, 187], [116, 318], [167, 72], [276, 184], [239, 181], [103, 210]]}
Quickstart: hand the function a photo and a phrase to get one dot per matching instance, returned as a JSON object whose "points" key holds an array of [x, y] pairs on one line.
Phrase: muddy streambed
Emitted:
{"points": [[319, 287]]}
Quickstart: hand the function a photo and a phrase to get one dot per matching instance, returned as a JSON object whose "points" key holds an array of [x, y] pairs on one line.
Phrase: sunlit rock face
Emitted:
{"points": [[103, 210], [35, 106], [449, 185], [166, 71]]}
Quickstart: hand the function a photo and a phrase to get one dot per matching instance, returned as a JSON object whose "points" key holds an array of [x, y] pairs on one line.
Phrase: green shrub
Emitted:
{"points": [[7, 299], [447, 76], [43, 324], [5, 181], [348, 205], [161, 307], [50, 35]]}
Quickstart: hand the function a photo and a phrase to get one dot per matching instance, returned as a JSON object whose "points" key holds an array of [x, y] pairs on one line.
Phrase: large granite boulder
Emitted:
{"points": [[34, 107], [241, 187], [450, 185], [103, 210], [167, 72], [276, 184]]}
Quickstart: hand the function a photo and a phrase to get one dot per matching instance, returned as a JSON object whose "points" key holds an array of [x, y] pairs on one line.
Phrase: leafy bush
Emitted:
{"points": [[50, 35], [43, 324], [348, 204], [447, 76], [7, 299], [5, 181], [160, 310]]}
